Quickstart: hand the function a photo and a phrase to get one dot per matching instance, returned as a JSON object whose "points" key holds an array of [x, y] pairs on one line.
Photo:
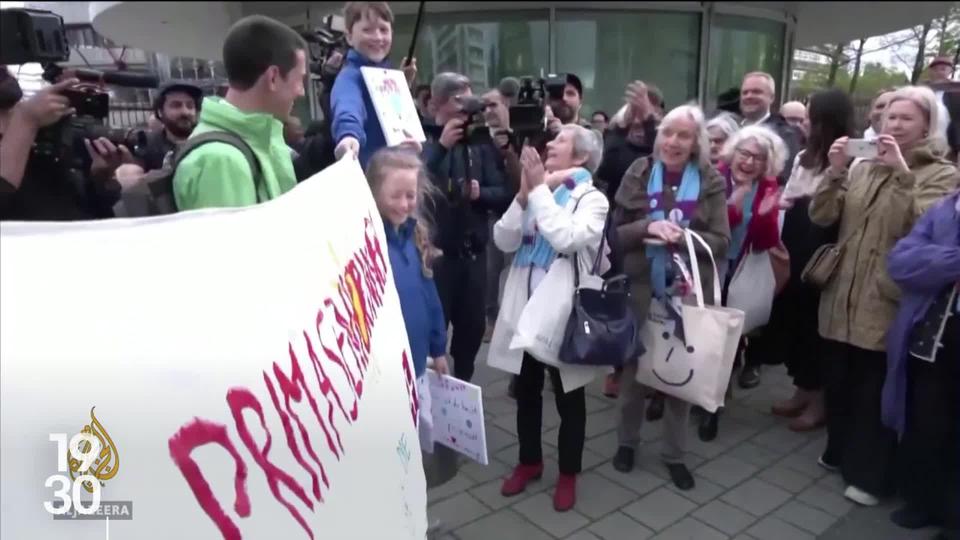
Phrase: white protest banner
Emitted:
{"points": [[458, 421], [391, 99], [236, 373]]}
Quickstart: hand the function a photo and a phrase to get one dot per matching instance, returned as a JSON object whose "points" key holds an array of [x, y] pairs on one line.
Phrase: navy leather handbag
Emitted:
{"points": [[602, 329]]}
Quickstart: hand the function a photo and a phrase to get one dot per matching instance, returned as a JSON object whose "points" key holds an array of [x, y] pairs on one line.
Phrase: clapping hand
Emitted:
{"points": [[769, 202], [638, 102]]}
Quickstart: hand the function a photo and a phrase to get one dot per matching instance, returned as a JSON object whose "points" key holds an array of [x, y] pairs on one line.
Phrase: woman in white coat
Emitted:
{"points": [[557, 214]]}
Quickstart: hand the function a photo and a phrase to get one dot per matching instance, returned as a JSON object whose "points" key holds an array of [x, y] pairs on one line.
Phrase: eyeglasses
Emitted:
{"points": [[748, 155]]}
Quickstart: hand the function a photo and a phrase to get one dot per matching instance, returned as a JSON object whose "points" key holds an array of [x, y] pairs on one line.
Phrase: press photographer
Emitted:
{"points": [[57, 154], [467, 170]]}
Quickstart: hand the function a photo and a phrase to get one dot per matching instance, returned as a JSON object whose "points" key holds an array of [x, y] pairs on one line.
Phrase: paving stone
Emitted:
{"points": [[771, 528], [780, 439], [749, 416], [506, 422], [806, 517], [753, 454], [756, 497], [786, 478], [583, 535], [723, 517], [727, 471], [703, 490], [539, 510], [619, 526], [659, 509], [591, 459], [600, 422], [457, 484], [459, 510], [605, 445], [484, 473], [510, 455], [690, 529], [743, 537], [832, 482], [828, 501], [505, 524], [805, 465], [597, 496], [489, 495], [602, 404], [638, 480], [498, 439]]}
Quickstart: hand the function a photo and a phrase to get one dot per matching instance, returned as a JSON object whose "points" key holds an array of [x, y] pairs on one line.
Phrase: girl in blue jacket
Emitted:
{"points": [[398, 181]]}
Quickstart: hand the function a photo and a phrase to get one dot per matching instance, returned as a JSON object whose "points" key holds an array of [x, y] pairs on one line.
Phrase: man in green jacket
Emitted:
{"points": [[265, 63]]}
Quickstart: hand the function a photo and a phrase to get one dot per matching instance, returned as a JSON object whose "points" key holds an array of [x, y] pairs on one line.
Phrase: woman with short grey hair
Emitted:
{"points": [[660, 195], [587, 144], [719, 130]]}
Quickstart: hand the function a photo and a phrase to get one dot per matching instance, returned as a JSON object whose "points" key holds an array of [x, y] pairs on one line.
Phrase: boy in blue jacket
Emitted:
{"points": [[356, 127]]}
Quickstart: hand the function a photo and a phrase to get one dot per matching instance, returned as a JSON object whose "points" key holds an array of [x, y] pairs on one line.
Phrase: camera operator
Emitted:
{"points": [[43, 188], [467, 170]]}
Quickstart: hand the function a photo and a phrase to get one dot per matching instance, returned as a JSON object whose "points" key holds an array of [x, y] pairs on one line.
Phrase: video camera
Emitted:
{"points": [[527, 117], [323, 42], [30, 35], [475, 127]]}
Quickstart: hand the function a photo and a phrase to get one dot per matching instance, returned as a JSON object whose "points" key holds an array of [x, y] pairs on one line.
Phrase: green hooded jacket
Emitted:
{"points": [[217, 175]]}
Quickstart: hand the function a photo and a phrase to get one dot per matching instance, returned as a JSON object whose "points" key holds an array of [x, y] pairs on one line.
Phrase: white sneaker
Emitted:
{"points": [[860, 496]]}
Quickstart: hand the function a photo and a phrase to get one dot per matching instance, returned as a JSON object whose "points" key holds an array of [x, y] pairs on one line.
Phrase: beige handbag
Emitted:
{"points": [[825, 260]]}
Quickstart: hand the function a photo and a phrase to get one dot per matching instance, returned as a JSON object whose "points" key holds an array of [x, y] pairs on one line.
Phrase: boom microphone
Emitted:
{"points": [[509, 88], [118, 78]]}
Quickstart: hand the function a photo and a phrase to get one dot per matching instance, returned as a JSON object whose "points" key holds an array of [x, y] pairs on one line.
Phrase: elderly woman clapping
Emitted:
{"points": [[557, 213], [752, 159], [660, 195], [876, 202]]}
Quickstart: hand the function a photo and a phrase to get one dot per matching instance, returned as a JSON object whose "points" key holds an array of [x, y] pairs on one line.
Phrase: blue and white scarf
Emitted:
{"points": [[739, 233], [686, 204], [535, 250]]}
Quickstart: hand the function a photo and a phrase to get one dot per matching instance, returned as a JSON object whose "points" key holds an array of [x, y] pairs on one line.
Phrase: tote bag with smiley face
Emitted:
{"points": [[690, 348]]}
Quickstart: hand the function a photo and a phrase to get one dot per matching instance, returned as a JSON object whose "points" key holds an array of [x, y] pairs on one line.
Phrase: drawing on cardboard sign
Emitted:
{"points": [[458, 421], [394, 105]]}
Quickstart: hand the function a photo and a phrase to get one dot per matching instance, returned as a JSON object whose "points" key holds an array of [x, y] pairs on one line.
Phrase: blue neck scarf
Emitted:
{"points": [[739, 233], [686, 204], [535, 250]]}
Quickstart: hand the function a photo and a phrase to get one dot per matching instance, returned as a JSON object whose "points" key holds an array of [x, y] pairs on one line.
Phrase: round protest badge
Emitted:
{"points": [[653, 203], [676, 215]]}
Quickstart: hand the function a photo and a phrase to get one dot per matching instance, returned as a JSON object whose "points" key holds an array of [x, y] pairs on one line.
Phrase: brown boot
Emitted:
{"points": [[793, 406], [814, 415]]}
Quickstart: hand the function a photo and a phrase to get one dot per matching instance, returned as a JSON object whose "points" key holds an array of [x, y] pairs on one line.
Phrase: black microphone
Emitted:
{"points": [[509, 88], [118, 78]]}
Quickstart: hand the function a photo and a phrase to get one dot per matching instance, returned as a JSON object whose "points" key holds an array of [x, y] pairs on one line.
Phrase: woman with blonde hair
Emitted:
{"points": [[660, 195], [876, 203]]}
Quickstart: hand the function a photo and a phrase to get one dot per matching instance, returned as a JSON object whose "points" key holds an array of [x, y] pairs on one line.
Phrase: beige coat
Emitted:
{"points": [[860, 302], [632, 217]]}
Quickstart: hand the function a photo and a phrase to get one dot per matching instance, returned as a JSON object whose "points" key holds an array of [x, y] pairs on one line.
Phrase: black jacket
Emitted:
{"points": [[461, 226], [791, 137], [619, 153], [49, 193]]}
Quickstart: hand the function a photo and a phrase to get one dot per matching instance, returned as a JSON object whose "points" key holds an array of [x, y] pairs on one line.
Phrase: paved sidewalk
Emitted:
{"points": [[756, 481]]}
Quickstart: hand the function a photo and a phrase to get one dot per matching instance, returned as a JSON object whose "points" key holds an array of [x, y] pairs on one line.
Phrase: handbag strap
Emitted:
{"points": [[695, 268], [576, 255]]}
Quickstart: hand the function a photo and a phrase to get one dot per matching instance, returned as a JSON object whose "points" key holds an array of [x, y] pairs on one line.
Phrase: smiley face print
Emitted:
{"points": [[672, 374]]}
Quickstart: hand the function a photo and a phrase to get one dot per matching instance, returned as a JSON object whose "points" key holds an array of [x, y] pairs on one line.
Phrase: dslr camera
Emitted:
{"points": [[30, 35], [475, 129], [323, 42]]}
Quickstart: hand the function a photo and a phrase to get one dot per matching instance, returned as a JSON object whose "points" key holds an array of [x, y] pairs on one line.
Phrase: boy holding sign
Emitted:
{"points": [[356, 127]]}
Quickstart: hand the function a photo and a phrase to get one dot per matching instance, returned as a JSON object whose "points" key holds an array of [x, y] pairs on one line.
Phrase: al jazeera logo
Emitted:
{"points": [[85, 463]]}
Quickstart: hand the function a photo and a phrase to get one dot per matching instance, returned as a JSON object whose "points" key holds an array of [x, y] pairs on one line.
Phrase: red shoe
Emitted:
{"points": [[611, 387], [566, 494], [522, 475]]}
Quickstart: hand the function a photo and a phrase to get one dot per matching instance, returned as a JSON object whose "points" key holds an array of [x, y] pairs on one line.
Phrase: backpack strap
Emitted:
{"points": [[226, 137]]}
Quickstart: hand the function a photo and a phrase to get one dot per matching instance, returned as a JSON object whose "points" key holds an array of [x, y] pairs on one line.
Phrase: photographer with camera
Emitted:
{"points": [[467, 169], [35, 188]]}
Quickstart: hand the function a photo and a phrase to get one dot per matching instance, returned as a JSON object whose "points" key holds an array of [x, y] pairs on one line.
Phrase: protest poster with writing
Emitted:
{"points": [[458, 421], [394, 105], [233, 373]]}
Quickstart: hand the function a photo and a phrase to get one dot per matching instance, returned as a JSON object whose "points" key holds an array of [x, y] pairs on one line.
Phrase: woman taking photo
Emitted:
{"points": [[752, 160], [557, 213], [876, 203], [675, 188], [791, 333]]}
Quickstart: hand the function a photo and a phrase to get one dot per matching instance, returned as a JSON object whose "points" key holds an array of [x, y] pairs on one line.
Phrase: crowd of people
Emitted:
{"points": [[476, 224]]}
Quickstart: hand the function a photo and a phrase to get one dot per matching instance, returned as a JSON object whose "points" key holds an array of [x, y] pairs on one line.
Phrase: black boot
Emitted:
{"points": [[709, 425], [655, 407], [749, 377], [911, 517], [623, 461], [681, 476]]}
